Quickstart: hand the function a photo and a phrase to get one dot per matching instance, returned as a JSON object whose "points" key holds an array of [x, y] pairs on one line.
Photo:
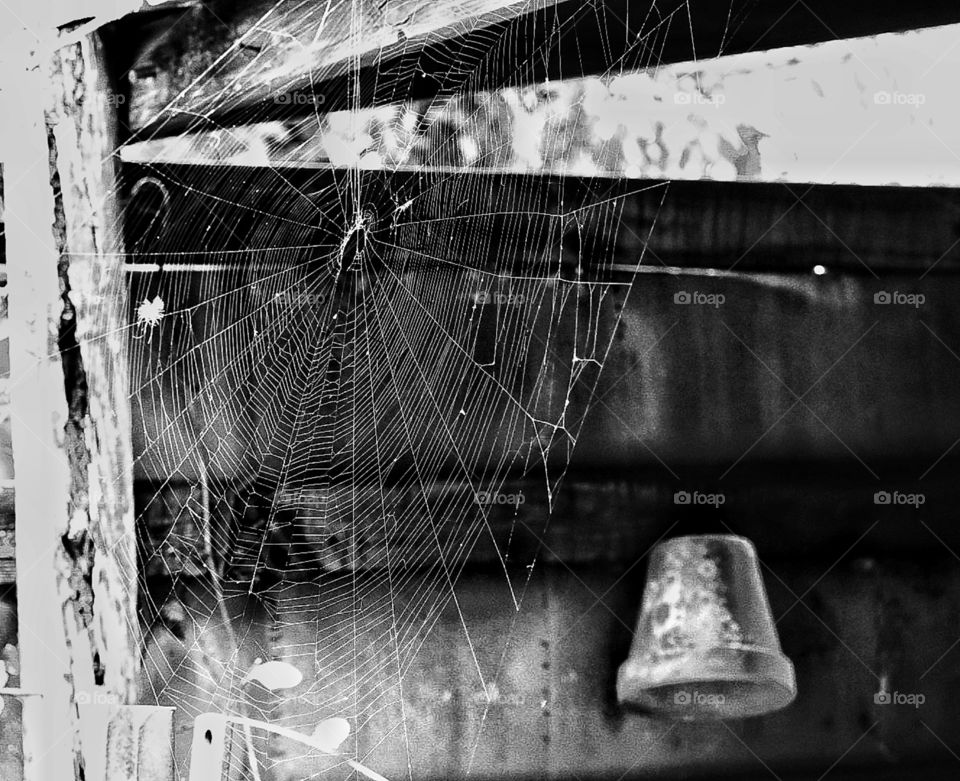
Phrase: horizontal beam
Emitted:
{"points": [[680, 384], [190, 62], [593, 520], [723, 226], [762, 117], [229, 64], [781, 507]]}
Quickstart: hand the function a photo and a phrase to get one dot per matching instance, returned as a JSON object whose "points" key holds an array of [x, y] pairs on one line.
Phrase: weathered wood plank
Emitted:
{"points": [[246, 53], [48, 608], [761, 117], [95, 355], [75, 566], [126, 742], [8, 569], [224, 65], [761, 228], [7, 494], [596, 520]]}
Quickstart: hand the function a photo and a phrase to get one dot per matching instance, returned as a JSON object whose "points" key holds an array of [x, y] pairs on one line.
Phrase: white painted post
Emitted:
{"points": [[38, 413], [69, 485]]}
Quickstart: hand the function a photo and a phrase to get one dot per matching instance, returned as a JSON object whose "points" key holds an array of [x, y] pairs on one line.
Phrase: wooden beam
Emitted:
{"points": [[761, 228], [7, 496], [594, 519], [48, 612], [127, 742], [75, 562], [763, 117], [226, 64], [276, 46], [94, 350]]}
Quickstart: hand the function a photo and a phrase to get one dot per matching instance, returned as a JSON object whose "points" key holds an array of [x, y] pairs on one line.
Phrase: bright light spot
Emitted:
{"points": [[819, 270]]}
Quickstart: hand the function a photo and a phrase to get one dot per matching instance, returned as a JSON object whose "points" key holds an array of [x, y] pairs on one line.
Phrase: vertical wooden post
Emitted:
{"points": [[95, 358], [69, 400], [38, 413]]}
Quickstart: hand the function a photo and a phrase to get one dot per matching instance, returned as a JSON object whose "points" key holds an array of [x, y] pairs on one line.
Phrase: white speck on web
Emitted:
{"points": [[150, 313]]}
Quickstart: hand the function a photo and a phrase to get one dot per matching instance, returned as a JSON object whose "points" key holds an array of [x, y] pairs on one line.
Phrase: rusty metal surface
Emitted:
{"points": [[547, 707]]}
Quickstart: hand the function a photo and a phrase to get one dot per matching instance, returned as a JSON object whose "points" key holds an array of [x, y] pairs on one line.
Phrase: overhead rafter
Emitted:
{"points": [[861, 111], [220, 63], [238, 55]]}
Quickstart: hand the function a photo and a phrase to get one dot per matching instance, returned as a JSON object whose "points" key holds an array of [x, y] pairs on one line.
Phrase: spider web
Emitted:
{"points": [[341, 373]]}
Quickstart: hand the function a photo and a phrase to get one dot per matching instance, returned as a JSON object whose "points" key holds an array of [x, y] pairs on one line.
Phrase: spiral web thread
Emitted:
{"points": [[337, 371]]}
